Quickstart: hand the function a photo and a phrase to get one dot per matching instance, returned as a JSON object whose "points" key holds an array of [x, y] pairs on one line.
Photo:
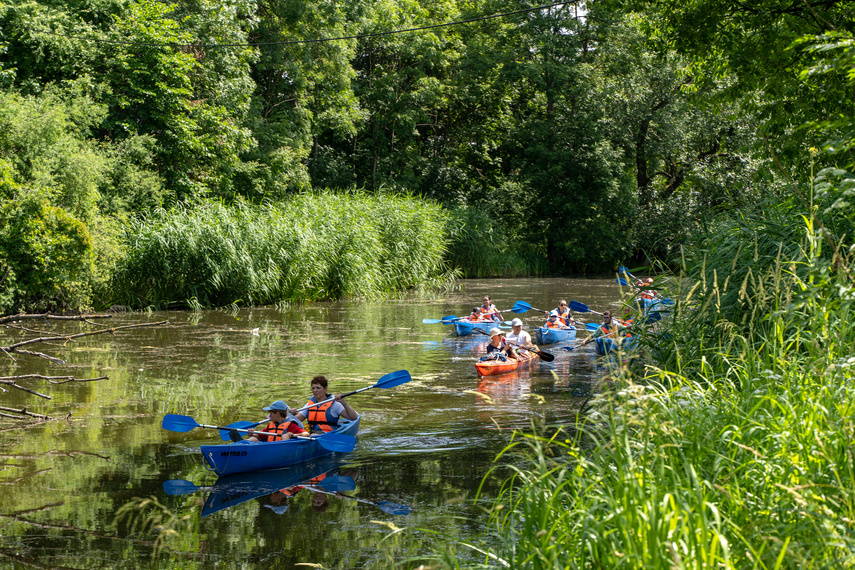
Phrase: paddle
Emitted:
{"points": [[546, 356], [569, 348], [522, 307], [330, 441], [338, 483], [387, 381], [623, 269], [444, 320], [385, 506], [582, 308]]}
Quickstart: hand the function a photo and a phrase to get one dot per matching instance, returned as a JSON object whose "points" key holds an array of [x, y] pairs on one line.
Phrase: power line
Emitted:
{"points": [[318, 40]]}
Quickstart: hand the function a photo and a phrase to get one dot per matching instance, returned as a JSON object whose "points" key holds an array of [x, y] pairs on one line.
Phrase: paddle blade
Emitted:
{"points": [[179, 487], [338, 484], [393, 508], [591, 327], [431, 321], [546, 356], [337, 442], [569, 348], [520, 307], [579, 307], [174, 422], [224, 433], [623, 269], [622, 281], [450, 319], [393, 379]]}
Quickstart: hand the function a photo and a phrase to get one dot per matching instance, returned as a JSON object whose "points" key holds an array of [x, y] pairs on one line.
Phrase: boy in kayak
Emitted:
{"points": [[280, 424]]}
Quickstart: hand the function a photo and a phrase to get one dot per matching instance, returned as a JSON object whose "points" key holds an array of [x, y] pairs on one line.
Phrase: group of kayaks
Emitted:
{"points": [[241, 457]]}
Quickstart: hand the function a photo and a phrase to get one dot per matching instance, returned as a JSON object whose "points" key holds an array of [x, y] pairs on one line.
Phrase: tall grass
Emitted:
{"points": [[736, 451], [315, 246], [481, 247]]}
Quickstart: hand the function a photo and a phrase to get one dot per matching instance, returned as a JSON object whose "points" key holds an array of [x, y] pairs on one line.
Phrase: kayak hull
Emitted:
{"points": [[606, 345], [466, 328], [546, 335], [493, 367], [242, 457]]}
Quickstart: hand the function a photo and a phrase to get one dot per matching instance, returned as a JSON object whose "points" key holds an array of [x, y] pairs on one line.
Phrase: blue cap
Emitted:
{"points": [[278, 406], [278, 510]]}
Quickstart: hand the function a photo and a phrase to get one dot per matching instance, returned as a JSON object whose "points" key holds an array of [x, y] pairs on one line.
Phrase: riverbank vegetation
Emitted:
{"points": [[560, 139], [732, 446]]}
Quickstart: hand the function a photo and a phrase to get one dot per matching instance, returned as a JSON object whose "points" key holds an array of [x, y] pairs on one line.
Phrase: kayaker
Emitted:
{"points": [[488, 309], [324, 417], [518, 336], [564, 314], [610, 328], [477, 316], [280, 424], [497, 348], [553, 322]]}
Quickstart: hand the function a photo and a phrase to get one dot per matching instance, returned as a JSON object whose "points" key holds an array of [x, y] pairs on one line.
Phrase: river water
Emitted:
{"points": [[103, 485]]}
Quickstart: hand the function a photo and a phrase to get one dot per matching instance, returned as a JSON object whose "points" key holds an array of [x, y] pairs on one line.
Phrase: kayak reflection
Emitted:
{"points": [[274, 489]]}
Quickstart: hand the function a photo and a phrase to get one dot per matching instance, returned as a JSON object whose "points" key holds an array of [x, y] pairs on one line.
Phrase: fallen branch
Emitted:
{"points": [[48, 316], [16, 348]]}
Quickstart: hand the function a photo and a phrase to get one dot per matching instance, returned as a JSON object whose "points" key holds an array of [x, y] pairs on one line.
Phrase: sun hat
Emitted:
{"points": [[553, 313], [278, 406], [516, 323], [496, 330]]}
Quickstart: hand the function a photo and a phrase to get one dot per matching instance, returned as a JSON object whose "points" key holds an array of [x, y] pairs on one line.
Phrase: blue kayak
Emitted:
{"points": [[606, 345], [546, 335], [244, 456], [465, 328]]}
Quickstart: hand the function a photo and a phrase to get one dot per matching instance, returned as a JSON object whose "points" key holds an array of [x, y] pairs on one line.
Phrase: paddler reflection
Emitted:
{"points": [[278, 501]]}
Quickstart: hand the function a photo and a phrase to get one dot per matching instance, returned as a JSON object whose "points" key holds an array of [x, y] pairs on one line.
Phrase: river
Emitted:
{"points": [[88, 489]]}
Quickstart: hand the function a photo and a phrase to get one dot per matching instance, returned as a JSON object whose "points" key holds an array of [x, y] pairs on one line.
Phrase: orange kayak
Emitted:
{"points": [[491, 367]]}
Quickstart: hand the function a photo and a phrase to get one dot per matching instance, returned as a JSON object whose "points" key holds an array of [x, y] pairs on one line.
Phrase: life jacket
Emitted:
{"points": [[555, 325], [279, 430], [313, 482], [648, 294], [564, 316], [489, 313], [610, 332], [320, 416]]}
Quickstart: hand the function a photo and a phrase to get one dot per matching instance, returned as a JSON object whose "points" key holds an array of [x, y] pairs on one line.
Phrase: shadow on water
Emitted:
{"points": [[423, 447]]}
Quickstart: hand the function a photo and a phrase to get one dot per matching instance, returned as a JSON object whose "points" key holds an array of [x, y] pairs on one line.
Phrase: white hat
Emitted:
{"points": [[516, 323], [496, 330], [277, 509], [553, 314]]}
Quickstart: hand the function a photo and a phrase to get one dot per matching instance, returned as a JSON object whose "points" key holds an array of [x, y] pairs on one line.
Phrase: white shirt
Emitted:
{"points": [[522, 339]]}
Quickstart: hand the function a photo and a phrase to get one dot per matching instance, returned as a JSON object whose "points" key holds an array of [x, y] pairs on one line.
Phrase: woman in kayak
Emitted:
{"points": [[324, 417]]}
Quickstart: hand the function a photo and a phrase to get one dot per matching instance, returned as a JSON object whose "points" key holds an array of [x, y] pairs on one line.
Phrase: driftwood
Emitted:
{"points": [[52, 339], [16, 347]]}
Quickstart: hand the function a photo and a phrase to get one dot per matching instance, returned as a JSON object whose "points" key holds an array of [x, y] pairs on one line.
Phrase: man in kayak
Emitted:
{"points": [[281, 426], [518, 336], [610, 328], [324, 417]]}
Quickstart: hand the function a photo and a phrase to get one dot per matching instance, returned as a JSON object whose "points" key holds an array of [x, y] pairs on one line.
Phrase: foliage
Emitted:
{"points": [[314, 246], [735, 451], [48, 252]]}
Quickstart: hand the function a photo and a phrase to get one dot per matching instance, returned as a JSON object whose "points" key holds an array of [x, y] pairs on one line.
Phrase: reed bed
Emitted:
{"points": [[735, 451], [315, 246]]}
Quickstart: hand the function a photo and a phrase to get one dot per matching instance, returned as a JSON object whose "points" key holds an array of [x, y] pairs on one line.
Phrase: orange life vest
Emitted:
{"points": [[278, 429], [320, 416]]}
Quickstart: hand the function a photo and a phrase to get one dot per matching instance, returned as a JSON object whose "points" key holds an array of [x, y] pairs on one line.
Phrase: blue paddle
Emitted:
{"points": [[387, 381], [581, 308], [623, 269], [329, 441], [522, 307]]}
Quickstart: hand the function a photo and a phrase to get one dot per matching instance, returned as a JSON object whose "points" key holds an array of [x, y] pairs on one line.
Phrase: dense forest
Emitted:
{"points": [[555, 139]]}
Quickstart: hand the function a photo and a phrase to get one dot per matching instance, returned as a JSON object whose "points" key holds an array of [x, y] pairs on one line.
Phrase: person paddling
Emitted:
{"points": [[324, 418], [610, 328], [488, 309], [497, 348], [281, 425]]}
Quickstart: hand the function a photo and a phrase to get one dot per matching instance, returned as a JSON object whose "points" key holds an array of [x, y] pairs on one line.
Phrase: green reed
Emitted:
{"points": [[315, 246], [733, 451]]}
